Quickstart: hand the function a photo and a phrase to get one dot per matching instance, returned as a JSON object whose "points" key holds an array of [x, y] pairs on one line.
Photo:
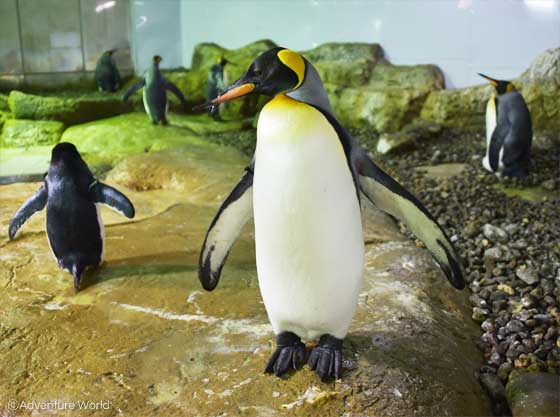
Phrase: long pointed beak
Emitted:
{"points": [[492, 80], [230, 94]]}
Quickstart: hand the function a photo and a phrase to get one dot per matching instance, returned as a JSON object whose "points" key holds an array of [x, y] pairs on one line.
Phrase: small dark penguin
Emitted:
{"points": [[155, 93], [74, 227], [509, 132], [107, 75]]}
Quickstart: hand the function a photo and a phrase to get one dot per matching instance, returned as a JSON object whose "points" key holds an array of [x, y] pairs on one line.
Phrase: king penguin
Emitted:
{"points": [[509, 133], [155, 92], [303, 189], [74, 228], [107, 75]]}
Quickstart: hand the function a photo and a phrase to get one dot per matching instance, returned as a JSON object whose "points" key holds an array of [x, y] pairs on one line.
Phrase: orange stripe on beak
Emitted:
{"points": [[237, 92]]}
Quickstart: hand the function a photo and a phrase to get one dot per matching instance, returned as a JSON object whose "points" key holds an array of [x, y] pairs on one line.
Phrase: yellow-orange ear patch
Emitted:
{"points": [[509, 87], [295, 62]]}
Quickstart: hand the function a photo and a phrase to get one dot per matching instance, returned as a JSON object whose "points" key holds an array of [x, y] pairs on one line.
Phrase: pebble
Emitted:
{"points": [[494, 234], [504, 370], [527, 274]]}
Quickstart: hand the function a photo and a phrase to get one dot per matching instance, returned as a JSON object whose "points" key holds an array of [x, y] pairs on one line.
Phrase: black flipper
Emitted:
{"points": [[388, 195], [135, 87], [105, 194], [224, 230], [326, 358], [496, 144], [34, 204], [175, 90], [289, 354]]}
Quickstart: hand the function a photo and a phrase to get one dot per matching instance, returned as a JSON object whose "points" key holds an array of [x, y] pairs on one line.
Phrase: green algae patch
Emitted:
{"points": [[108, 141], [68, 108], [24, 133]]}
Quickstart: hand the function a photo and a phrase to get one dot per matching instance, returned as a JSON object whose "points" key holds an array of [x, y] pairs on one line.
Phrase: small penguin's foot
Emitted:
{"points": [[289, 353], [164, 122], [326, 358]]}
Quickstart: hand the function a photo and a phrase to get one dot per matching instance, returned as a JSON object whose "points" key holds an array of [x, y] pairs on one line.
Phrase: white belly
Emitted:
{"points": [[308, 229], [490, 126]]}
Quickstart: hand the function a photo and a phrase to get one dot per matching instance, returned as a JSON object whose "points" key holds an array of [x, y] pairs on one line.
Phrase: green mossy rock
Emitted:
{"points": [[69, 109], [382, 111], [535, 394], [106, 142], [4, 102], [24, 133], [345, 64], [461, 108]]}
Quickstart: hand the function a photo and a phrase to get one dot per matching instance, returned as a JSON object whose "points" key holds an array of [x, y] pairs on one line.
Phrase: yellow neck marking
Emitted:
{"points": [[295, 62]]}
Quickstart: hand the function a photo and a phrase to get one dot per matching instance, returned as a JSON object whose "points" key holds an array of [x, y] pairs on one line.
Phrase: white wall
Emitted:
{"points": [[156, 30], [463, 37]]}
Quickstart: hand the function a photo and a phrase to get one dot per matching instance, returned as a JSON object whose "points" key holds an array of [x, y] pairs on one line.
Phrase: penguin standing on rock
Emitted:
{"points": [[509, 133], [303, 189], [155, 93], [74, 228], [107, 75]]}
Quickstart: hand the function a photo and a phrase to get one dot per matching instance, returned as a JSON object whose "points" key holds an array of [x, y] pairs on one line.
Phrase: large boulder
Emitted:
{"points": [[460, 108], [539, 85], [535, 394], [366, 91], [25, 133], [69, 109]]}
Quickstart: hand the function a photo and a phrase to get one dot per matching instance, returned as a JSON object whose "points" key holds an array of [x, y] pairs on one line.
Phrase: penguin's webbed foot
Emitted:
{"points": [[326, 358], [289, 353]]}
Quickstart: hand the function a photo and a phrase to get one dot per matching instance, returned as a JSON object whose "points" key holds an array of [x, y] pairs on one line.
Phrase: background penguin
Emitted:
{"points": [[107, 75], [216, 85], [155, 92], [303, 189], [509, 133], [74, 227]]}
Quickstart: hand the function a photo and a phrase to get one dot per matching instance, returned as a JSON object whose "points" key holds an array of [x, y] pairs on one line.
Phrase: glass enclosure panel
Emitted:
{"points": [[10, 53], [51, 35], [157, 29], [106, 26]]}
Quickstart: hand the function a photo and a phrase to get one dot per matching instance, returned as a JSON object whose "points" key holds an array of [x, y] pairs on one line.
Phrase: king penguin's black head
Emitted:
{"points": [[502, 86], [157, 59], [276, 71]]}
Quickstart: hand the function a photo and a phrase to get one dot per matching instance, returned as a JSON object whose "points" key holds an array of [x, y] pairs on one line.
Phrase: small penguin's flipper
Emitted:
{"points": [[388, 195], [175, 90], [34, 204], [137, 86], [496, 143], [224, 230], [105, 194]]}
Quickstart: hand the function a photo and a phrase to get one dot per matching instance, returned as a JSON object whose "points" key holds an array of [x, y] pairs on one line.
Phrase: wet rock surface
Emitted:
{"points": [[67, 108], [534, 394], [144, 336]]}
